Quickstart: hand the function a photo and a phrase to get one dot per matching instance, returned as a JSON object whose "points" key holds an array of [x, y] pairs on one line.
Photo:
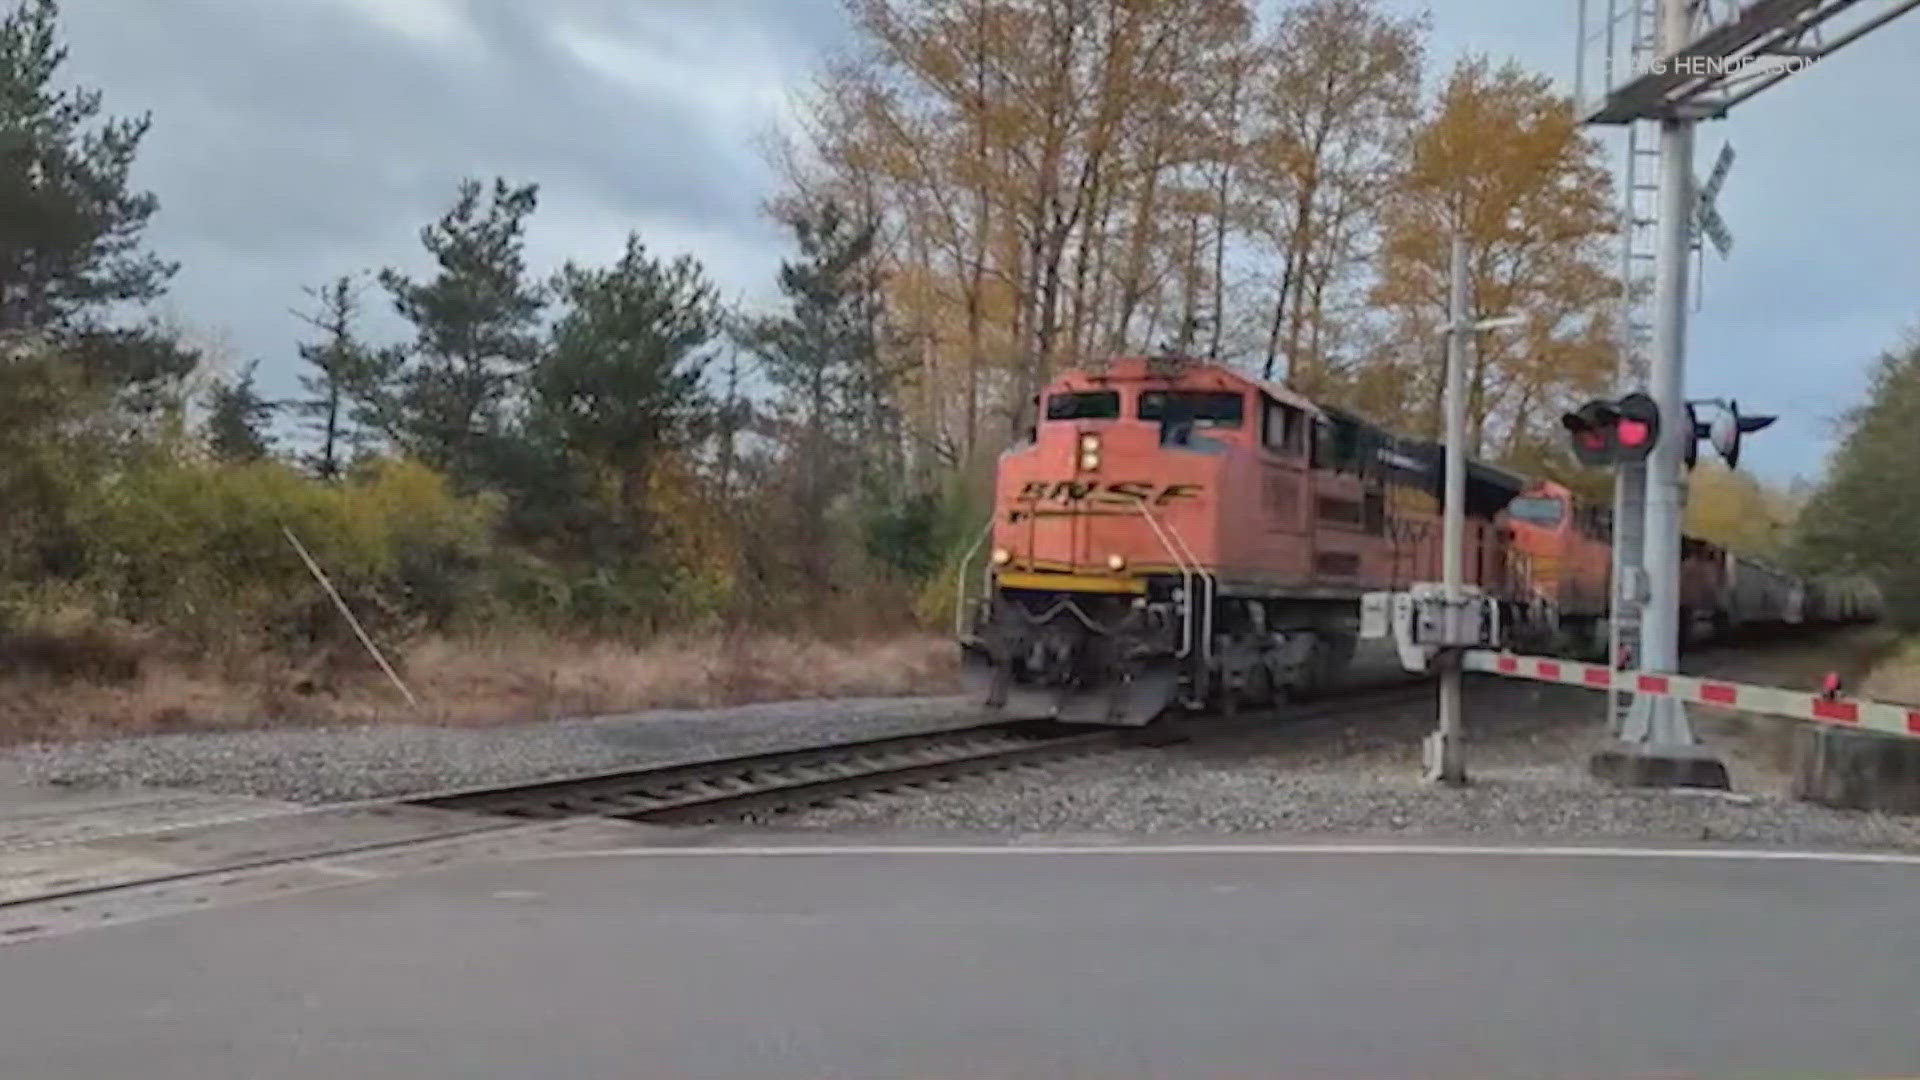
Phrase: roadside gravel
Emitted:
{"points": [[1360, 779], [375, 761]]}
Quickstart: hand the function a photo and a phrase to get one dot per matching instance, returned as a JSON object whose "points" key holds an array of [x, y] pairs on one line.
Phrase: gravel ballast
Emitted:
{"points": [[387, 760], [1359, 778], [1352, 776]]}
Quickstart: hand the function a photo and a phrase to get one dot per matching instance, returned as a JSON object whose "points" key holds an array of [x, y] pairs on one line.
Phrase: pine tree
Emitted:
{"points": [[814, 355], [475, 329], [620, 385], [238, 418], [832, 359], [70, 249], [346, 374], [72, 240]]}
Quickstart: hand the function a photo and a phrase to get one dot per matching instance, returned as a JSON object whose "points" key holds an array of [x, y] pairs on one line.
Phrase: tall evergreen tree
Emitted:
{"points": [[71, 224], [815, 354], [238, 418], [475, 326], [620, 384], [834, 361], [347, 374]]}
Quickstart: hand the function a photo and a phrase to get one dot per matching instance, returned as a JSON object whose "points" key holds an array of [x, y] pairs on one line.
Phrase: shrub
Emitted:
{"points": [[201, 548]]}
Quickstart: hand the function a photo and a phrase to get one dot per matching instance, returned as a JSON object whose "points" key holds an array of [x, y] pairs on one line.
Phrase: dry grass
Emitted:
{"points": [[88, 680], [517, 677], [1897, 677]]}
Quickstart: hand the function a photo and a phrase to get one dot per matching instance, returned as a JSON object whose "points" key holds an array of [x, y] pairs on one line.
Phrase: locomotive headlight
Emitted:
{"points": [[1116, 562], [1089, 452], [1001, 556]]}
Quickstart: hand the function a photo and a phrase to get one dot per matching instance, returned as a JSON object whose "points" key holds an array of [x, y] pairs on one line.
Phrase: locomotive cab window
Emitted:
{"points": [[1084, 405], [1283, 428], [1337, 446], [1542, 510], [1206, 408]]}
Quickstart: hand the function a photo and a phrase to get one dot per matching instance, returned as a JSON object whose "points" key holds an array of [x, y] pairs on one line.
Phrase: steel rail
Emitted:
{"points": [[721, 789]]}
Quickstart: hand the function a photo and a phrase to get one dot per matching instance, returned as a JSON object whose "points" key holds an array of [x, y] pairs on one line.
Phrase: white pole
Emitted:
{"points": [[1446, 758], [1660, 725]]}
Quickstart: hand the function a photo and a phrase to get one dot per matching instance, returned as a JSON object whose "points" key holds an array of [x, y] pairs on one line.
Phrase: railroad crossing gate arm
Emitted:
{"points": [[1766, 700]]}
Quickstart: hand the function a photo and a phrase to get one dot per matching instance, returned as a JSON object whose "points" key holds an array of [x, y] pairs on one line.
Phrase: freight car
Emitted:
{"points": [[1171, 531]]}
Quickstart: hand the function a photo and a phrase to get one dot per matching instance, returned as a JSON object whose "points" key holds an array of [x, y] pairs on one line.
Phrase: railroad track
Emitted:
{"points": [[145, 872], [204, 858], [711, 790]]}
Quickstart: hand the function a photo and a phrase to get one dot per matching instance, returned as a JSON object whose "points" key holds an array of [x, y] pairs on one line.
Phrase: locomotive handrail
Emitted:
{"points": [[1212, 585], [1189, 565], [1186, 577], [960, 582]]}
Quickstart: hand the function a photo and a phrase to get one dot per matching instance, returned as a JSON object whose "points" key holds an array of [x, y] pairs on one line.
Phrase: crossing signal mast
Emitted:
{"points": [[1624, 431], [1686, 61]]}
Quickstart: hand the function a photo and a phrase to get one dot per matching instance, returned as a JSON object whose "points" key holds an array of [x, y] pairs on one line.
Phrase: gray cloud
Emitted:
{"points": [[302, 139], [297, 139]]}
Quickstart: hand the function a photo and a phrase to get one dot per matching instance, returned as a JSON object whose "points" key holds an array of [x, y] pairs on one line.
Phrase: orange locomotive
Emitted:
{"points": [[1173, 531], [1568, 548]]}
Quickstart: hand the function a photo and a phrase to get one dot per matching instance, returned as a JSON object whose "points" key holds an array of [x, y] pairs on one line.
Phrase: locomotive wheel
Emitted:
{"points": [[1326, 661], [1260, 688], [1338, 657]]}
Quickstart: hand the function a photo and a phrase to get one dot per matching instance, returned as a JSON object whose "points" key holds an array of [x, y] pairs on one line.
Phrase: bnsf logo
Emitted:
{"points": [[1117, 493]]}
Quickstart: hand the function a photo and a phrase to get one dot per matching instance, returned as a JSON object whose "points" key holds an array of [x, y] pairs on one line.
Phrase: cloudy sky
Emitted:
{"points": [[295, 140]]}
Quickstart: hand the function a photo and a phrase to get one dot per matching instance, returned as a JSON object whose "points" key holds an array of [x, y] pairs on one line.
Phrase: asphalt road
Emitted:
{"points": [[1002, 965]]}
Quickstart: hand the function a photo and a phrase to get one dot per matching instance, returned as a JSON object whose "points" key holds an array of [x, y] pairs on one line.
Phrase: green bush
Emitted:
{"points": [[201, 547], [959, 523]]}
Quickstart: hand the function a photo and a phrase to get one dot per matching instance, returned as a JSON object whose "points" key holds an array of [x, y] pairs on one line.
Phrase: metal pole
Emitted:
{"points": [[1630, 480], [1446, 759], [1660, 725], [1580, 59], [1629, 519]]}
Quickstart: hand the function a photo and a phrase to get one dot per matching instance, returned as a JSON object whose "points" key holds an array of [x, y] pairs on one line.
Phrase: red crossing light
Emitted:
{"points": [[1612, 432]]}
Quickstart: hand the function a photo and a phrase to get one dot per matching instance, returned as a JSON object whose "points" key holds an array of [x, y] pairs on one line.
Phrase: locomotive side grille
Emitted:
{"points": [[1337, 563], [1337, 510], [1280, 492]]}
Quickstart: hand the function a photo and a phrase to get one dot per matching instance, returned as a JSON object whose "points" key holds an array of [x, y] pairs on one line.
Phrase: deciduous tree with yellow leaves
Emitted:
{"points": [[1501, 160]]}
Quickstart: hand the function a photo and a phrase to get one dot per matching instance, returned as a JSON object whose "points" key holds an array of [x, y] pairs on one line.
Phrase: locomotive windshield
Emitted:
{"points": [[1084, 405], [1540, 510], [1206, 408]]}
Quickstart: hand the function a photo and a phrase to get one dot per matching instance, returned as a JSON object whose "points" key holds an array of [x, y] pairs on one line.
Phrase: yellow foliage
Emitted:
{"points": [[1737, 511], [1502, 161], [198, 545], [696, 536]]}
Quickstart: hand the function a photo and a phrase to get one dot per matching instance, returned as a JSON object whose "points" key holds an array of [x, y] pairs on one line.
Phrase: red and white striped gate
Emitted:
{"points": [[1766, 700]]}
